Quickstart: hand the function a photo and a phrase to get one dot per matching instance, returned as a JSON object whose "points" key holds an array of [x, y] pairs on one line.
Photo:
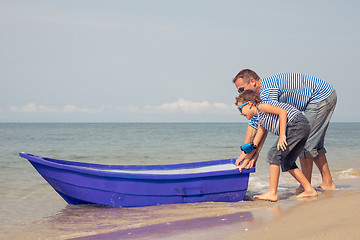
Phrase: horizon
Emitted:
{"points": [[147, 122]]}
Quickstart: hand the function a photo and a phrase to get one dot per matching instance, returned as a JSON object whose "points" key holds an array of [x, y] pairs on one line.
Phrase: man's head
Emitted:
{"points": [[247, 79]]}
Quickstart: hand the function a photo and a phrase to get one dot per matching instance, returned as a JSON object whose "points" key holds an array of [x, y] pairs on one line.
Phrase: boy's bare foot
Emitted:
{"points": [[267, 197], [309, 193], [327, 186]]}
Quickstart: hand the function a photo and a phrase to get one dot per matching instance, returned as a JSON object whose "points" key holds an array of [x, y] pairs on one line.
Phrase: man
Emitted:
{"points": [[315, 97]]}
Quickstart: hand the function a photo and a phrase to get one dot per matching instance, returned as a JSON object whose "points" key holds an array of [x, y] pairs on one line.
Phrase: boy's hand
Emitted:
{"points": [[240, 159], [282, 143], [243, 165]]}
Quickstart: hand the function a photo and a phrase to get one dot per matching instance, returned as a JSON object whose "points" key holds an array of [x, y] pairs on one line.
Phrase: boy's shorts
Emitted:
{"points": [[297, 132], [319, 115]]}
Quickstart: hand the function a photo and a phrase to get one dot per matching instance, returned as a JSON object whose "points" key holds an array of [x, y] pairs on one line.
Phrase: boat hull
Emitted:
{"points": [[134, 186]]}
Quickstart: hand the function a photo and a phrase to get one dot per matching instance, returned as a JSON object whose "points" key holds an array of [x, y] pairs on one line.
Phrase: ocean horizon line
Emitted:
{"points": [[155, 122]]}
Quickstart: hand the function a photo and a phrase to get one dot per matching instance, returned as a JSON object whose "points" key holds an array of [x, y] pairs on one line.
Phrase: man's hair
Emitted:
{"points": [[248, 95], [246, 74]]}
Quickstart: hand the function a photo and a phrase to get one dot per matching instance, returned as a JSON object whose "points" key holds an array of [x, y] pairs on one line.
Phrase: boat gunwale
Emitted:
{"points": [[101, 170]]}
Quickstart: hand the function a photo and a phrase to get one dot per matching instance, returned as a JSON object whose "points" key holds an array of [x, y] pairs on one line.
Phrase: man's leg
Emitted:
{"points": [[322, 164], [319, 116], [307, 167]]}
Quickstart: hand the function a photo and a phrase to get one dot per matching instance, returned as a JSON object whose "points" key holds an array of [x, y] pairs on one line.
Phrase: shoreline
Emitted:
{"points": [[330, 218], [330, 215]]}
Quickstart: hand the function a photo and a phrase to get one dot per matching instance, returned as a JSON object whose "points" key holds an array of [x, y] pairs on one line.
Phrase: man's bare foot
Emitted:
{"points": [[327, 186], [309, 193], [298, 190], [267, 197]]}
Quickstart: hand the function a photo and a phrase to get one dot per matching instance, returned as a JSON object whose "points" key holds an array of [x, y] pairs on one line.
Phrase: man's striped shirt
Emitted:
{"points": [[271, 122], [296, 89]]}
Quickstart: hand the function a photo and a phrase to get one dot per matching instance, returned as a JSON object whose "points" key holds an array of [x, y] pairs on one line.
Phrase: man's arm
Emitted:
{"points": [[250, 134]]}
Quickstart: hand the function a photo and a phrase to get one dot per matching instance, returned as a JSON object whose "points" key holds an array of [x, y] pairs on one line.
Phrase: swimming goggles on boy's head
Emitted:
{"points": [[240, 107]]}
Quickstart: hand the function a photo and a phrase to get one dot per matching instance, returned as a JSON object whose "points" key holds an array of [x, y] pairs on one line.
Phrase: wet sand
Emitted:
{"points": [[331, 218], [331, 215]]}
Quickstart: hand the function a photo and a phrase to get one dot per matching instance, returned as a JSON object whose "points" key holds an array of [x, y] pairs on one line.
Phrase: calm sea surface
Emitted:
{"points": [[30, 207]]}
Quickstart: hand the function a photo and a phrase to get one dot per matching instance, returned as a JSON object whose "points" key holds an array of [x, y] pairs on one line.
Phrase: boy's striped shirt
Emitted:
{"points": [[271, 121]]}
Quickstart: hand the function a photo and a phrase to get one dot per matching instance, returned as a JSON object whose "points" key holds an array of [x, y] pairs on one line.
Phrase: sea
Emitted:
{"points": [[31, 209]]}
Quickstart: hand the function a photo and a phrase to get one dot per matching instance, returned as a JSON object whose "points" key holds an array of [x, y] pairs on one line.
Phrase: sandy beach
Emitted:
{"points": [[331, 218], [332, 215]]}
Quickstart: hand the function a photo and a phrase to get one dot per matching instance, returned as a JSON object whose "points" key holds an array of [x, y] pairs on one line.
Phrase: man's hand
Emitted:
{"points": [[252, 162]]}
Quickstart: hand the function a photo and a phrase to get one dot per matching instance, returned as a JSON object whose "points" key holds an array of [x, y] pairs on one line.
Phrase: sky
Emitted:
{"points": [[166, 61]]}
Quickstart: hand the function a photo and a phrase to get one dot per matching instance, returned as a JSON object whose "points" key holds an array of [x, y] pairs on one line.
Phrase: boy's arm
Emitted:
{"points": [[254, 158], [249, 137], [250, 159], [267, 108]]}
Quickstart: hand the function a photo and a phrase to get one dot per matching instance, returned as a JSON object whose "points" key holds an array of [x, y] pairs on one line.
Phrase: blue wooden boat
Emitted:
{"points": [[143, 185]]}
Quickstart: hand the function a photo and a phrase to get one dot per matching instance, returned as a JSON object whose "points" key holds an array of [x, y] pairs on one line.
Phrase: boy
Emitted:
{"points": [[293, 130]]}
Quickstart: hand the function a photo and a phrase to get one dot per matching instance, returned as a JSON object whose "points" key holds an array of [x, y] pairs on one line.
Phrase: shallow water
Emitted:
{"points": [[30, 206]]}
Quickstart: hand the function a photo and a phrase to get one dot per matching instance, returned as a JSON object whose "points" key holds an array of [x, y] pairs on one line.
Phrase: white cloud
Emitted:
{"points": [[189, 107], [70, 108], [32, 108], [131, 109], [43, 108], [179, 106]]}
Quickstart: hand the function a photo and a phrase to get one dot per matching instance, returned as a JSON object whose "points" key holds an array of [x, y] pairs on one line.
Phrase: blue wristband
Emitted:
{"points": [[248, 147]]}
